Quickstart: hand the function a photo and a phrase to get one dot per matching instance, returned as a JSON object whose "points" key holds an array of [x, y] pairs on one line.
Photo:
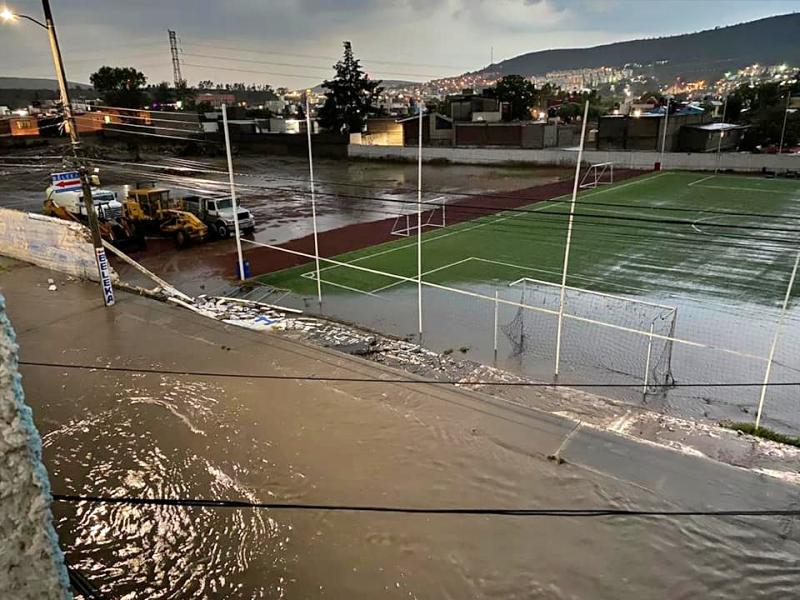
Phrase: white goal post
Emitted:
{"points": [[406, 224], [598, 174]]}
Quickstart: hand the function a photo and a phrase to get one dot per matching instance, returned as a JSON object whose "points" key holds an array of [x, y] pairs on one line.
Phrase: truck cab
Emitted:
{"points": [[105, 203], [218, 214]]}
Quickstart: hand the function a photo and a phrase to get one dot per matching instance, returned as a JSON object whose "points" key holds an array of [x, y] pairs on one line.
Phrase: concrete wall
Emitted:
{"points": [[623, 159], [48, 242], [31, 563]]}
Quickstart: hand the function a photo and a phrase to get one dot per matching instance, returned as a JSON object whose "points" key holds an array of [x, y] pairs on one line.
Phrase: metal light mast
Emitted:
{"points": [[176, 61]]}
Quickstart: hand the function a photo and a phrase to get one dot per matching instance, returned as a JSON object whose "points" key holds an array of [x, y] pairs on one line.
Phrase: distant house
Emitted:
{"points": [[645, 131], [384, 131], [216, 99], [437, 130], [464, 106], [16, 126], [519, 134], [710, 137]]}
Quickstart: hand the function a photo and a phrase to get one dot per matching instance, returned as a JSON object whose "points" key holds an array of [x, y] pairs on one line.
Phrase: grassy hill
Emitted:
{"points": [[694, 55]]}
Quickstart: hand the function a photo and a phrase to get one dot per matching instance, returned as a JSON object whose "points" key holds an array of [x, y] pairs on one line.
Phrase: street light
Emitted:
{"points": [[8, 16]]}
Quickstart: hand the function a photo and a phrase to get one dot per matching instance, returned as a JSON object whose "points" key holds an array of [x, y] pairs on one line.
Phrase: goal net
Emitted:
{"points": [[598, 174], [432, 218], [615, 334]]}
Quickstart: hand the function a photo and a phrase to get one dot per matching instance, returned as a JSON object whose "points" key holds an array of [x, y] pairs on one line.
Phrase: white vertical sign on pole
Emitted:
{"points": [[569, 239], [313, 199], [419, 224], [775, 341], [233, 192]]}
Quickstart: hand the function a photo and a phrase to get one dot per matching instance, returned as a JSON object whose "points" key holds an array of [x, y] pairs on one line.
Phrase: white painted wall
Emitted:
{"points": [[31, 563], [48, 242], [567, 158]]}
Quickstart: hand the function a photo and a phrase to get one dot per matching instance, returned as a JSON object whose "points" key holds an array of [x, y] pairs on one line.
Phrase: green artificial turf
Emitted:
{"points": [[611, 255]]}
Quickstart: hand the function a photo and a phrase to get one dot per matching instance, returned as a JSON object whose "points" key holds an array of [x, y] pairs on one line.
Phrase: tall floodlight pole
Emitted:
{"points": [[775, 339], [313, 200], [419, 225], [664, 135], [233, 191], [569, 240], [103, 268], [721, 133], [785, 116]]}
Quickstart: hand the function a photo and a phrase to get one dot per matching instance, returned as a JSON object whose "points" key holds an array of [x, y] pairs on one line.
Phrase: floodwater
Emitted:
{"points": [[733, 337], [361, 444], [277, 191]]}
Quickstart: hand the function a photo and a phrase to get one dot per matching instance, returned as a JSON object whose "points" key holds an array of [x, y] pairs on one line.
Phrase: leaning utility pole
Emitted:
{"points": [[94, 226], [176, 61]]}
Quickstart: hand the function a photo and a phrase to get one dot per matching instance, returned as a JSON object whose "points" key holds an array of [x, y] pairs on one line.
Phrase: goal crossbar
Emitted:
{"points": [[598, 174], [406, 224]]}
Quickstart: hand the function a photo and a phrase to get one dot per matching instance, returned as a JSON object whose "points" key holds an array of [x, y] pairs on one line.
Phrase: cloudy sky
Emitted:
{"points": [[294, 42]]}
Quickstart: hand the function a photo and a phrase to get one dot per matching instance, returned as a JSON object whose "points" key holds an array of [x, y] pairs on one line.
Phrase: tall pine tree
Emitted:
{"points": [[350, 97]]}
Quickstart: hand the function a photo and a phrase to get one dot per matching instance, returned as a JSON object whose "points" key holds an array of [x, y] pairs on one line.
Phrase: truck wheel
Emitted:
{"points": [[222, 231], [180, 239]]}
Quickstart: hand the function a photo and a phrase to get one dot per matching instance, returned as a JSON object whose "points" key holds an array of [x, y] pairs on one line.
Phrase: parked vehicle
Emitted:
{"points": [[150, 209], [114, 227], [218, 214]]}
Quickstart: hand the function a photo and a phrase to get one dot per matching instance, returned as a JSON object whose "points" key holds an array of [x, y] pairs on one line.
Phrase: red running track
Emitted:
{"points": [[362, 235]]}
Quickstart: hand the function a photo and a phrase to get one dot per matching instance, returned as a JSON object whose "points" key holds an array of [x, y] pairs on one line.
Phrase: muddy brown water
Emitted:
{"points": [[361, 444]]}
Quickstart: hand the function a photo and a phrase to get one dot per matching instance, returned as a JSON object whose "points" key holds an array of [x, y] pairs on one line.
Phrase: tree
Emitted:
{"points": [[120, 86], [520, 93], [350, 97], [163, 94], [185, 94]]}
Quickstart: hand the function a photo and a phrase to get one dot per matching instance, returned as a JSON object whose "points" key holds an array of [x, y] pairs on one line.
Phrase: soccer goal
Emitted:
{"points": [[598, 174], [618, 334], [432, 218]]}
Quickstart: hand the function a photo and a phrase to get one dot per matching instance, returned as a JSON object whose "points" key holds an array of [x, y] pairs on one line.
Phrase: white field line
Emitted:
{"points": [[502, 216], [386, 287], [702, 180], [745, 189], [457, 291], [346, 287]]}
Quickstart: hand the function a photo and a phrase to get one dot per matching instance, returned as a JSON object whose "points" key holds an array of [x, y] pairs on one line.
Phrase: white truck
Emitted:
{"points": [[218, 214], [105, 202]]}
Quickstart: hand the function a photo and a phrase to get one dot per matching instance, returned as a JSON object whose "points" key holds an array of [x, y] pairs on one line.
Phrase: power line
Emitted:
{"points": [[663, 235], [500, 196], [261, 52], [488, 210], [407, 510], [331, 379], [295, 65]]}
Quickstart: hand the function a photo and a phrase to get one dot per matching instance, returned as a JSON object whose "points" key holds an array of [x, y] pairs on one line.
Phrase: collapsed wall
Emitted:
{"points": [[48, 242], [31, 563]]}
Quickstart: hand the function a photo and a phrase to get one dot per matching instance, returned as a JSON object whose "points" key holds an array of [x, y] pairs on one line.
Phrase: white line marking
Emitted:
{"points": [[498, 218], [745, 189], [386, 287], [701, 180]]}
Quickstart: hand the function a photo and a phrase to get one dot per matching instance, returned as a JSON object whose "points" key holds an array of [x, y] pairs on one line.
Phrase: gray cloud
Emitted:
{"points": [[413, 33]]}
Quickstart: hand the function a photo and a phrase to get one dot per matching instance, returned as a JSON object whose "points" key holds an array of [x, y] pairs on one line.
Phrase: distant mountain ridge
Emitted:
{"points": [[33, 83], [772, 40]]}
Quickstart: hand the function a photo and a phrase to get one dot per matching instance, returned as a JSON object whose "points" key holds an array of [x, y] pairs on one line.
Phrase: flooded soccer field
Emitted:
{"points": [[706, 260]]}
